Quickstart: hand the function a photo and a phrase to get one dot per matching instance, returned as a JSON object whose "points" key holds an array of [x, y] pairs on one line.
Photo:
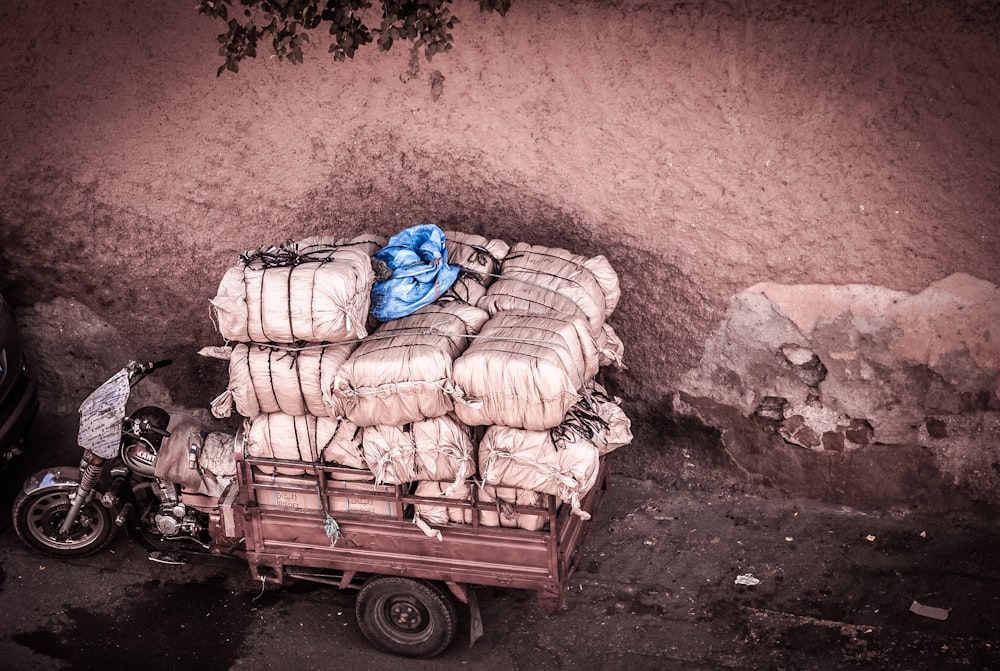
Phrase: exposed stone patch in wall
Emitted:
{"points": [[839, 369]]}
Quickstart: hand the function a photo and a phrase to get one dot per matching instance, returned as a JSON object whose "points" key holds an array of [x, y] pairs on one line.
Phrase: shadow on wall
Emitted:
{"points": [[101, 284]]}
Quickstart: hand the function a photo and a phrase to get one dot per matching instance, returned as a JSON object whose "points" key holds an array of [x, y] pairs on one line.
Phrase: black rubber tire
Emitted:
{"points": [[406, 617], [37, 517]]}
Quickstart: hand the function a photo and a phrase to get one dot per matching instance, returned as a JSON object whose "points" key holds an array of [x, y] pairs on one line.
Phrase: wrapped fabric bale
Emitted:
{"points": [[505, 499], [524, 371], [543, 280], [439, 449], [434, 513], [366, 242], [599, 418], [427, 514], [565, 466], [294, 381], [402, 372], [304, 438], [479, 259], [282, 295]]}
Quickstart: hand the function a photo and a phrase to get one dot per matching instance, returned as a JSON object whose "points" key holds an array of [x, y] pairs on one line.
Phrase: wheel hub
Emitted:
{"points": [[406, 616]]}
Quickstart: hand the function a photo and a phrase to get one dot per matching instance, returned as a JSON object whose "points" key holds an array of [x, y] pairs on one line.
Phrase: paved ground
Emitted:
{"points": [[668, 580]]}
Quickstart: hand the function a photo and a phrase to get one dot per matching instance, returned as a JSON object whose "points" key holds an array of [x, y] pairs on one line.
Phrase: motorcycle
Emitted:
{"points": [[190, 495], [158, 476]]}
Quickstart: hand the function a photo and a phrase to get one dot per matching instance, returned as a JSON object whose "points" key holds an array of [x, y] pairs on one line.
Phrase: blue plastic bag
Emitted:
{"points": [[418, 259]]}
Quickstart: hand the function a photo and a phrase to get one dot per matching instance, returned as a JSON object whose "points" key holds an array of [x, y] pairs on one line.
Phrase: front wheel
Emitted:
{"points": [[38, 516], [406, 617]]}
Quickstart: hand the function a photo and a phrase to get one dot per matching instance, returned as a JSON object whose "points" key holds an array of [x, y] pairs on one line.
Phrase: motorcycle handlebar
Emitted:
{"points": [[153, 365]]}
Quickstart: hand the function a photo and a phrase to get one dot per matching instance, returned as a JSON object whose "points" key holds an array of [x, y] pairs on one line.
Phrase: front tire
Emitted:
{"points": [[38, 516], [406, 617]]}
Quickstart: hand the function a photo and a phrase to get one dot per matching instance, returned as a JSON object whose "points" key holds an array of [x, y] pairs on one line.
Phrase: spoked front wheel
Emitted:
{"points": [[407, 617], [39, 515]]}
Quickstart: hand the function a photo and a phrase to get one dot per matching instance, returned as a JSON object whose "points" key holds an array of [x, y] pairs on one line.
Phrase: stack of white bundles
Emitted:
{"points": [[402, 372], [304, 438], [545, 279], [479, 258], [438, 449], [272, 378], [565, 466], [426, 514], [500, 514], [504, 515], [279, 295], [524, 371]]}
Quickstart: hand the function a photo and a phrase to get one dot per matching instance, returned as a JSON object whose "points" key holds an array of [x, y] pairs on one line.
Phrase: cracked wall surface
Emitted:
{"points": [[838, 369]]}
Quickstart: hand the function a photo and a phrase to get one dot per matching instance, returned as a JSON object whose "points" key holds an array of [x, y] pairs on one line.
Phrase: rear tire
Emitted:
{"points": [[38, 516], [406, 617]]}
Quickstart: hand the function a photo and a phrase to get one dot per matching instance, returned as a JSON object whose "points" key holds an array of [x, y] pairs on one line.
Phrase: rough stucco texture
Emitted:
{"points": [[836, 370], [702, 147]]}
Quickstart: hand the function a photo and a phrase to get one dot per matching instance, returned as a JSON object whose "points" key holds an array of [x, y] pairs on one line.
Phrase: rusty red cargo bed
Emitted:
{"points": [[305, 527]]}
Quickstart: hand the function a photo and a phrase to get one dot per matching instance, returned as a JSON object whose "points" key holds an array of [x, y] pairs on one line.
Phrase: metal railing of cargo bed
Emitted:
{"points": [[301, 514]]}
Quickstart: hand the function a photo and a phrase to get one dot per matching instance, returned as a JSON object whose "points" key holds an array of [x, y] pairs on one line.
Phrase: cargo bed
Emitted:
{"points": [[326, 524]]}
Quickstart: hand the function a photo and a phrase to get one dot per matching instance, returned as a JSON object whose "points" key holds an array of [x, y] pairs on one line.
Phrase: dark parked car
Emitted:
{"points": [[18, 389]]}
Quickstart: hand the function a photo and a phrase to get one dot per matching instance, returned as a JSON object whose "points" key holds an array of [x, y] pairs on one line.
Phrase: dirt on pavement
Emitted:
{"points": [[697, 576]]}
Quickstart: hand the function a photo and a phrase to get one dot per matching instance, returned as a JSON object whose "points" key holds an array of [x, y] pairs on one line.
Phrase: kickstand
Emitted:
{"points": [[166, 558]]}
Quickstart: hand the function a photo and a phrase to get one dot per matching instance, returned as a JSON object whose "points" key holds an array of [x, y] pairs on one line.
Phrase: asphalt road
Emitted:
{"points": [[667, 580]]}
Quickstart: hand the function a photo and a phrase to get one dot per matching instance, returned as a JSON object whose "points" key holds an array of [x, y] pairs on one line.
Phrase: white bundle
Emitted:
{"points": [[279, 295], [619, 427], [479, 258], [366, 242], [599, 418], [304, 438], [438, 449], [402, 372], [505, 499], [524, 371], [566, 467], [543, 280], [425, 514], [295, 381]]}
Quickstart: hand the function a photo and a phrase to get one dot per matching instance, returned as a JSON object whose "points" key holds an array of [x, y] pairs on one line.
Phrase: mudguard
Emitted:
{"points": [[55, 479]]}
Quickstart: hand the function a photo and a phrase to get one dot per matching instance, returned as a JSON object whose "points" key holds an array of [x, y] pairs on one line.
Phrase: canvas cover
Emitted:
{"points": [[439, 449], [288, 295], [523, 371], [304, 438], [402, 372], [203, 463], [543, 280], [566, 466]]}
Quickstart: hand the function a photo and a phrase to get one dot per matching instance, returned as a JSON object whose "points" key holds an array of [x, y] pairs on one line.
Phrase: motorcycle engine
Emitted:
{"points": [[176, 519]]}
